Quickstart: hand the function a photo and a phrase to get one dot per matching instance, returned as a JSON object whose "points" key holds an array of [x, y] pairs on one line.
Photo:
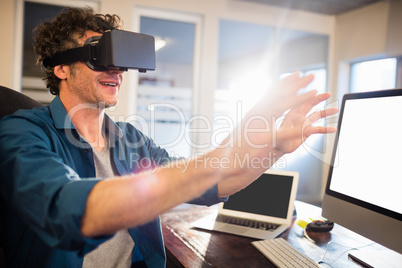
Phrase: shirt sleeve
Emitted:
{"points": [[40, 188], [147, 149], [209, 198]]}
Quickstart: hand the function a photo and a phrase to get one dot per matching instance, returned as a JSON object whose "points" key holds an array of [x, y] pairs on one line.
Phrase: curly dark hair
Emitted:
{"points": [[62, 33]]}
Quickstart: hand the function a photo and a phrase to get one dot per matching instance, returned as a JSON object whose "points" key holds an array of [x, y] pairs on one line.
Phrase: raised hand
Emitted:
{"points": [[298, 124]]}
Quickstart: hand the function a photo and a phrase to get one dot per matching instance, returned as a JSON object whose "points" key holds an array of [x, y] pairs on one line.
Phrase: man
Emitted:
{"points": [[73, 196]]}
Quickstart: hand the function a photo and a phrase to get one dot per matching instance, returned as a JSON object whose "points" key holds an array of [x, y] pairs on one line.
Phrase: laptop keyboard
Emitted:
{"points": [[247, 223]]}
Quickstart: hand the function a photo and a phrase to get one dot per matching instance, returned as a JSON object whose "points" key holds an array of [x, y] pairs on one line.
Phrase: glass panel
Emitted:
{"points": [[251, 56], [32, 84], [244, 73], [373, 75], [301, 51], [164, 99], [308, 53], [34, 14]]}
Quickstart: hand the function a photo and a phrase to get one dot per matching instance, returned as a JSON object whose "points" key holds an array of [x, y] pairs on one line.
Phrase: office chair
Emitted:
{"points": [[10, 102]]}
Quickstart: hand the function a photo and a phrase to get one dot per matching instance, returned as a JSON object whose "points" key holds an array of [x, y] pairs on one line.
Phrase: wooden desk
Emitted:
{"points": [[191, 247]]}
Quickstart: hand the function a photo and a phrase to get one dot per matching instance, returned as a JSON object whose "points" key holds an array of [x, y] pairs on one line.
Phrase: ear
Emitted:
{"points": [[60, 71]]}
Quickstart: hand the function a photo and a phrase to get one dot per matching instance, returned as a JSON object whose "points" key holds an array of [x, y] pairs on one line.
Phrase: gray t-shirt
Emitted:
{"points": [[117, 251]]}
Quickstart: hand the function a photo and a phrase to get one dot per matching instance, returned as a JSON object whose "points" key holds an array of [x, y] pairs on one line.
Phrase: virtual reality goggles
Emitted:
{"points": [[114, 49]]}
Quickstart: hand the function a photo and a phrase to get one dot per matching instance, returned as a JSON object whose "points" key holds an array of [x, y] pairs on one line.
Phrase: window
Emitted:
{"points": [[32, 84], [373, 75], [165, 97], [245, 59], [251, 57], [308, 53]]}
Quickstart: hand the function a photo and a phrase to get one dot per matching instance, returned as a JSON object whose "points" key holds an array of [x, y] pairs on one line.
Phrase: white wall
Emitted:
{"points": [[7, 56]]}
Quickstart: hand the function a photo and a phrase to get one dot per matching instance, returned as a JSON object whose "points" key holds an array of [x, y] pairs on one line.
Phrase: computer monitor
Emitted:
{"points": [[364, 186]]}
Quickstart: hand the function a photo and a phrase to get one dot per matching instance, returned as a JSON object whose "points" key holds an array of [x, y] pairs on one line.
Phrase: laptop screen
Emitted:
{"points": [[269, 195]]}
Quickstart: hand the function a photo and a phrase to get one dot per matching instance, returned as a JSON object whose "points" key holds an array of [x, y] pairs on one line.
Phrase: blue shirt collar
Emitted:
{"points": [[59, 115], [62, 120]]}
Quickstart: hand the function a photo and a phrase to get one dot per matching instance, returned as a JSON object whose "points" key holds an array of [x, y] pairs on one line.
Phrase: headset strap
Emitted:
{"points": [[70, 56]]}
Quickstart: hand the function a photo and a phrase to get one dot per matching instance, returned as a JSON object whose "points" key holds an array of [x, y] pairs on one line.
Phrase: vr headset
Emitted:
{"points": [[114, 49]]}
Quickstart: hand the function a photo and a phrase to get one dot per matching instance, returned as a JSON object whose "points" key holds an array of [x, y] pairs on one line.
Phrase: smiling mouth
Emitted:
{"points": [[109, 84]]}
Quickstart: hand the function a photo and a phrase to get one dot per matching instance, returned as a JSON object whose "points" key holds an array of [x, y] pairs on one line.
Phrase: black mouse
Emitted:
{"points": [[320, 226]]}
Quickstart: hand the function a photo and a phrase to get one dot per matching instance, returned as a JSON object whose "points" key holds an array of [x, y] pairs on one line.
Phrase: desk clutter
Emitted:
{"points": [[187, 246]]}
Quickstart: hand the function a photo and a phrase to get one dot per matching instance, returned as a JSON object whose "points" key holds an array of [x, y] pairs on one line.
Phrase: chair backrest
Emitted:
{"points": [[10, 102]]}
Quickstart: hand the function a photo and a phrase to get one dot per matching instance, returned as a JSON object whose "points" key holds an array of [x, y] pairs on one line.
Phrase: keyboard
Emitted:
{"points": [[247, 223], [283, 254]]}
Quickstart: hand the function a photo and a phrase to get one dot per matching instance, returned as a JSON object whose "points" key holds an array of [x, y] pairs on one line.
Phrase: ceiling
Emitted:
{"points": [[328, 7]]}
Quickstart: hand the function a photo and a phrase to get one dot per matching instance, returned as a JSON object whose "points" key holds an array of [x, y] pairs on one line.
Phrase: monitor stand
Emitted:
{"points": [[381, 258]]}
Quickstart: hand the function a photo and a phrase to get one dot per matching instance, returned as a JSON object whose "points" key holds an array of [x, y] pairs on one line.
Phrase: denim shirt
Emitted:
{"points": [[46, 174]]}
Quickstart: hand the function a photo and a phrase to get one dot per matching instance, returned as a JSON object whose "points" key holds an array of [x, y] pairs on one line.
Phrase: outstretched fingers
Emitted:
{"points": [[309, 103], [310, 129], [316, 116], [286, 91]]}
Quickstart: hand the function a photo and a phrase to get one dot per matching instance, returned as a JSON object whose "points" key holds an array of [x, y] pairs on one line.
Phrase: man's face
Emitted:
{"points": [[92, 87]]}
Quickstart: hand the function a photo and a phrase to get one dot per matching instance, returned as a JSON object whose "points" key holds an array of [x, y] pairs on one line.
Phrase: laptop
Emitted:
{"points": [[262, 210]]}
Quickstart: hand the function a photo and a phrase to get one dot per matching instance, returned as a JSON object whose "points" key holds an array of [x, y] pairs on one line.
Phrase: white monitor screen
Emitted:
{"points": [[368, 157]]}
